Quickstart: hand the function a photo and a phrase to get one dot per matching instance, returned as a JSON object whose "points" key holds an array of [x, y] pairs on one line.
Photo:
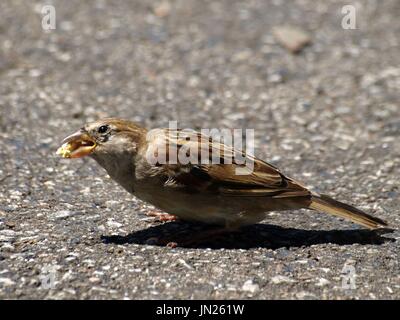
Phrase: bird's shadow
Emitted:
{"points": [[254, 236]]}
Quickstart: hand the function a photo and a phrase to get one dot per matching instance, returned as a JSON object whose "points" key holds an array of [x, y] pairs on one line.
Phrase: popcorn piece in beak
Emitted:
{"points": [[77, 145], [65, 150]]}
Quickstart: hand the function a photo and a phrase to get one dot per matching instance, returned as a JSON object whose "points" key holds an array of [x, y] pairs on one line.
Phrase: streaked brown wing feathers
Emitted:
{"points": [[265, 179]]}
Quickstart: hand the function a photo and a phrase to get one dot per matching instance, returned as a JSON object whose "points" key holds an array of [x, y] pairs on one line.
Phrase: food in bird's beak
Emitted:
{"points": [[77, 145]]}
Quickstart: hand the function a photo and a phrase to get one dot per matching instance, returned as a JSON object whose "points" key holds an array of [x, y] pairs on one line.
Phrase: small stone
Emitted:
{"points": [[89, 263], [7, 235], [305, 295], [7, 247], [281, 279], [372, 296], [275, 78], [250, 286], [6, 282], [322, 282], [112, 204], [94, 280], [10, 224], [282, 253], [35, 73], [62, 214], [185, 264], [162, 9], [292, 38], [113, 224], [231, 287], [70, 258]]}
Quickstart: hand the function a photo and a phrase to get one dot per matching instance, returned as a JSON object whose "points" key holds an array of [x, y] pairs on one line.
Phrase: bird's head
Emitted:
{"points": [[107, 137]]}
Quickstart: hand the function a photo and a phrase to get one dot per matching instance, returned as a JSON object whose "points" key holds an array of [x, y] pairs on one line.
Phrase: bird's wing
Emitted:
{"points": [[223, 173]]}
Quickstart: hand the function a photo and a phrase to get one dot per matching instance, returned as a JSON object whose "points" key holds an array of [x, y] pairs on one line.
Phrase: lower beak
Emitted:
{"points": [[77, 145]]}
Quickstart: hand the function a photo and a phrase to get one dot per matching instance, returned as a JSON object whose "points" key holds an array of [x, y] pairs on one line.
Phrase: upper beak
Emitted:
{"points": [[77, 145]]}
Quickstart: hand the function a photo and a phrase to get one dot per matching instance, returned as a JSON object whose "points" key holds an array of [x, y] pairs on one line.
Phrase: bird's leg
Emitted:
{"points": [[161, 216]]}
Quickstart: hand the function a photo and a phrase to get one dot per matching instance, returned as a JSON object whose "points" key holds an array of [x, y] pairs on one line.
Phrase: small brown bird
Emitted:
{"points": [[197, 190]]}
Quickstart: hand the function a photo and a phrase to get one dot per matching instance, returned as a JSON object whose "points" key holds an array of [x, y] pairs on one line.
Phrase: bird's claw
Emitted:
{"points": [[161, 217]]}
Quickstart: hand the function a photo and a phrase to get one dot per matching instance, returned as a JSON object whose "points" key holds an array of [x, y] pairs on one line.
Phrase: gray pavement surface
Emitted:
{"points": [[328, 116]]}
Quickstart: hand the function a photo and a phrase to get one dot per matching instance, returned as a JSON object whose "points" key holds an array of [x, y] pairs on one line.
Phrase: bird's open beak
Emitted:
{"points": [[77, 145]]}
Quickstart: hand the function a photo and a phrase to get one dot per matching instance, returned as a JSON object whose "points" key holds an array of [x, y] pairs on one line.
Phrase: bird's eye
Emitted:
{"points": [[102, 129]]}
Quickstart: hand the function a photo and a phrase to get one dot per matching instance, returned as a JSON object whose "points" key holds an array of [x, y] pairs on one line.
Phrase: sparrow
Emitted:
{"points": [[202, 190]]}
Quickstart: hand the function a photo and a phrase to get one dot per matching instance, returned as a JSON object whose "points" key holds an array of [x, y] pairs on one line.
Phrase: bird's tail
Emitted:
{"points": [[326, 204]]}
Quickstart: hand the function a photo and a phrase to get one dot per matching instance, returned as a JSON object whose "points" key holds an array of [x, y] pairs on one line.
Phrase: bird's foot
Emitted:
{"points": [[161, 216]]}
